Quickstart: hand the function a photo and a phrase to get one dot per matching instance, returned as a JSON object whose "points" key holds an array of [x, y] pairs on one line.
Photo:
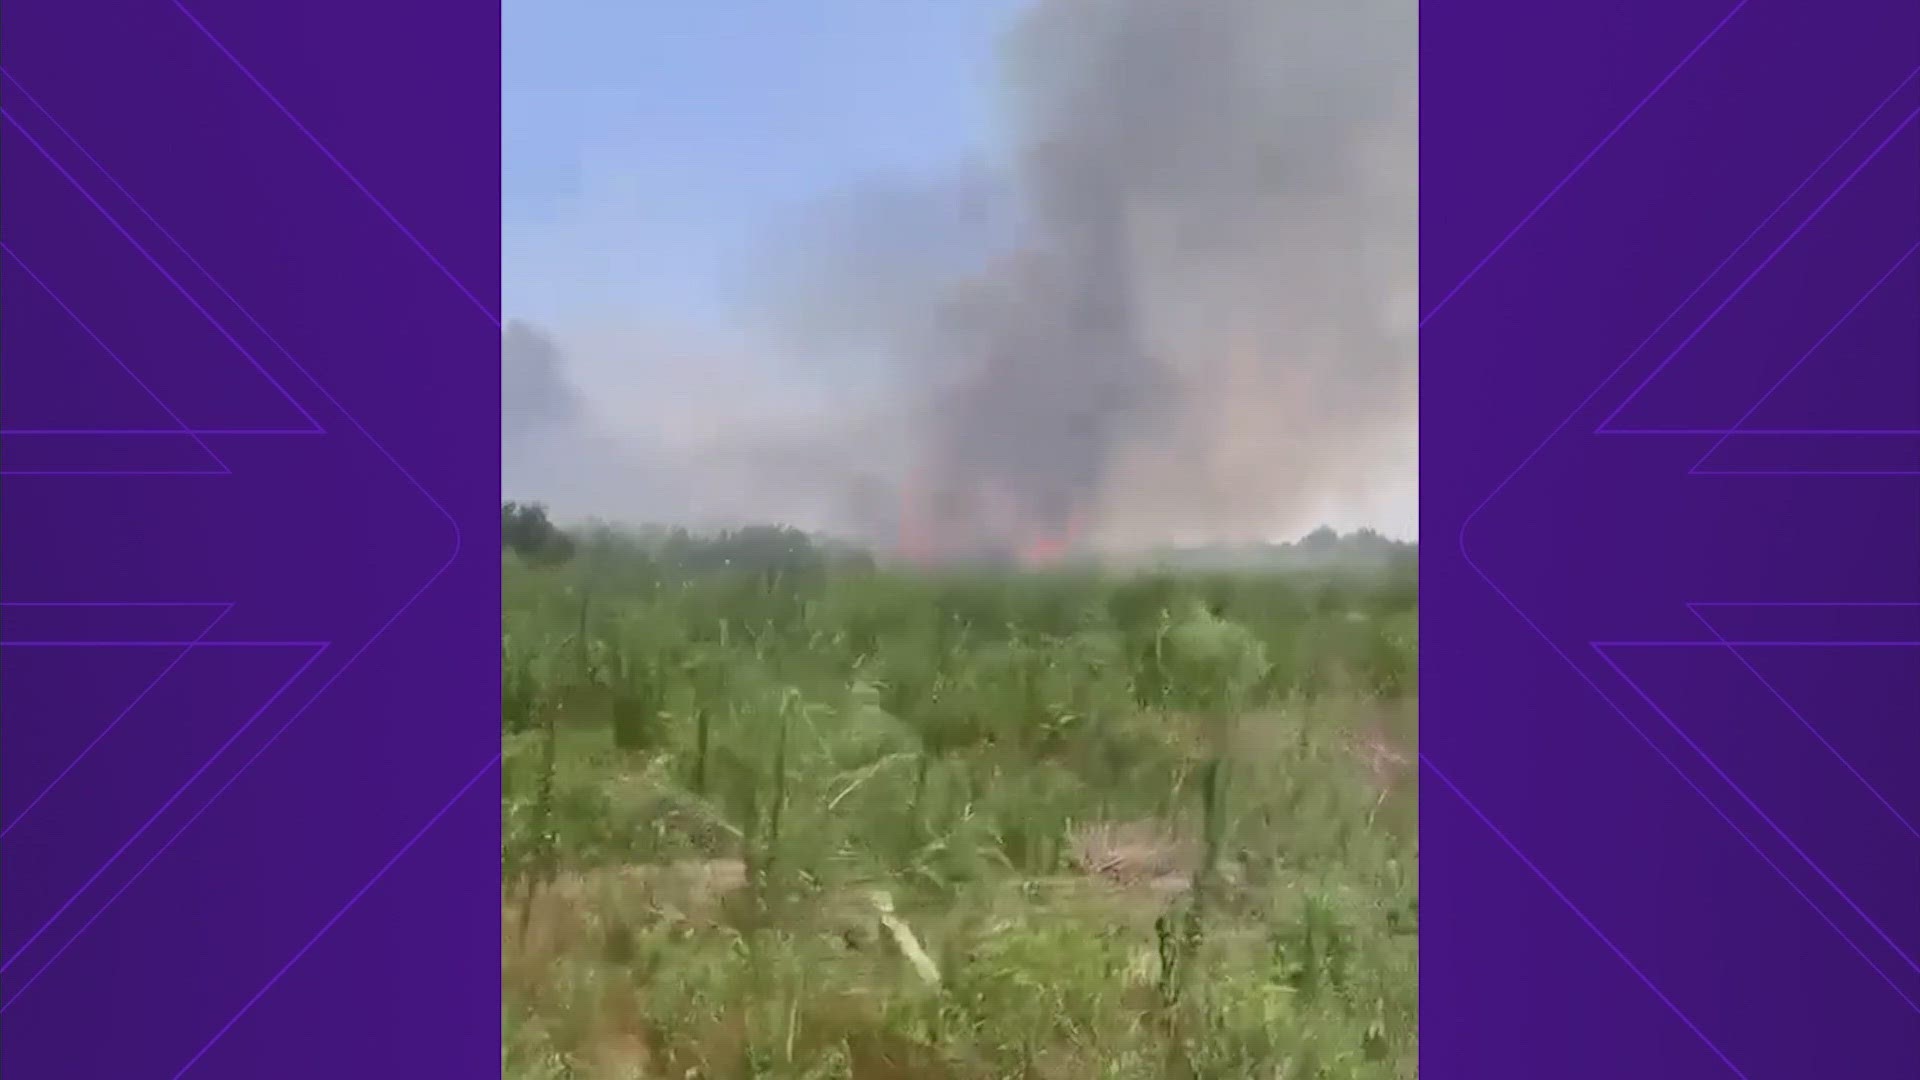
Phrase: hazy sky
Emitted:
{"points": [[649, 143], [655, 152]]}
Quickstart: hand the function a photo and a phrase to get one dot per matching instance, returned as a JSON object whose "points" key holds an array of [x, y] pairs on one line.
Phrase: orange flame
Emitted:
{"points": [[923, 540], [1049, 548]]}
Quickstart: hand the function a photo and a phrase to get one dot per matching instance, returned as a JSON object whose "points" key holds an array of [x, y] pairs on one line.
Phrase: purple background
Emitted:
{"points": [[1671, 497], [250, 414]]}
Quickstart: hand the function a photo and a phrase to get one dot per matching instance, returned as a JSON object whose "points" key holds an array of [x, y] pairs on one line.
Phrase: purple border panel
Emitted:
{"points": [[249, 436], [1671, 499]]}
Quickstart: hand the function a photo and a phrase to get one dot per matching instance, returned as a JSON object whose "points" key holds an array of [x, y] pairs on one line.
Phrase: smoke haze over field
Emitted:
{"points": [[1178, 305]]}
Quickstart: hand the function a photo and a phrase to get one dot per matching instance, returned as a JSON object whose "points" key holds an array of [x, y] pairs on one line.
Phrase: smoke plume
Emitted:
{"points": [[1181, 310]]}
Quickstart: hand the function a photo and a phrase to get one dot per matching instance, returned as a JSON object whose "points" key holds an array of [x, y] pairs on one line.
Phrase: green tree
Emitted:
{"points": [[525, 529]]}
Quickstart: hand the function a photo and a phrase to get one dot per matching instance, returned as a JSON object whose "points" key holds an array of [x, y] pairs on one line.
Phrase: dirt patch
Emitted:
{"points": [[565, 915], [1131, 854], [1385, 764]]}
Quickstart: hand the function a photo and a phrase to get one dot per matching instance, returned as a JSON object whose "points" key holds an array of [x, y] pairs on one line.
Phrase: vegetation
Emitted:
{"points": [[525, 530], [770, 811]]}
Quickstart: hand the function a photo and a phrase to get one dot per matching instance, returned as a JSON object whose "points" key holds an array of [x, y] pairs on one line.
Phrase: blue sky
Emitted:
{"points": [[647, 144]]}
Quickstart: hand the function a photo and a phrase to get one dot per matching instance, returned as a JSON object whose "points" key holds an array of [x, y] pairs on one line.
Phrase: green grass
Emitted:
{"points": [[1140, 827]]}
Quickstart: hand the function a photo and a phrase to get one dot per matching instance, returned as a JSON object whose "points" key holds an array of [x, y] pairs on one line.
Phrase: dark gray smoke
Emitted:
{"points": [[1200, 332], [1184, 311], [536, 392]]}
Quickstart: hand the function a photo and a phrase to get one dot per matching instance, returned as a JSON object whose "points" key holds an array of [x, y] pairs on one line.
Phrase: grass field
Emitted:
{"points": [[845, 822]]}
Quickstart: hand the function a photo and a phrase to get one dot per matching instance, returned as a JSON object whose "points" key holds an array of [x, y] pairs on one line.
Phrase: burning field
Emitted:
{"points": [[775, 806], [1177, 306]]}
